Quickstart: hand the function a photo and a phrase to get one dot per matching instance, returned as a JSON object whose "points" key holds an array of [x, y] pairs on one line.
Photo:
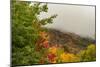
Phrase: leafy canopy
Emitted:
{"points": [[25, 30]]}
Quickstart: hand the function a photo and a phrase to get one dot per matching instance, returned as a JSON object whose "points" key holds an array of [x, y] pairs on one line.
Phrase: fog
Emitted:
{"points": [[72, 18]]}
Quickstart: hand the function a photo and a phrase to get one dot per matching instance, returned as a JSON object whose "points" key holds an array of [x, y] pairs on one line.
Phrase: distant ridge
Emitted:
{"points": [[72, 42]]}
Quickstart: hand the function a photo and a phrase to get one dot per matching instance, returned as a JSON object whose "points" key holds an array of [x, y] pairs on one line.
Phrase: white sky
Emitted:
{"points": [[72, 18]]}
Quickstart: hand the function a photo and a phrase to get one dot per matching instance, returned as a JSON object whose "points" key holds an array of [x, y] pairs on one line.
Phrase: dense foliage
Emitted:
{"points": [[89, 54], [25, 30]]}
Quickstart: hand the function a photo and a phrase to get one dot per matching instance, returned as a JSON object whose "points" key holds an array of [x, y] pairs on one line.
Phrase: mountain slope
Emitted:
{"points": [[69, 41]]}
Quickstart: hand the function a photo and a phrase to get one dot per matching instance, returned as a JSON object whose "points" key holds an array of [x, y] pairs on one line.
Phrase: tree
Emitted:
{"points": [[25, 30]]}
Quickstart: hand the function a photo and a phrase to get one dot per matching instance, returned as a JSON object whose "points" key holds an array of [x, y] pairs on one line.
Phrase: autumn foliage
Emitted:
{"points": [[54, 54], [30, 40]]}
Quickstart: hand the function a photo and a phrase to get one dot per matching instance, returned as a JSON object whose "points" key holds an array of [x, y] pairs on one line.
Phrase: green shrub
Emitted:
{"points": [[89, 54]]}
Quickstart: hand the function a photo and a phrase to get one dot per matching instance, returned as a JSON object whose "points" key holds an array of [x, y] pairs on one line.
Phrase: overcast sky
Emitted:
{"points": [[72, 18]]}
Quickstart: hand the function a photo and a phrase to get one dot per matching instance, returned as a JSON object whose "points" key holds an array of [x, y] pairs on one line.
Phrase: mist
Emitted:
{"points": [[72, 18]]}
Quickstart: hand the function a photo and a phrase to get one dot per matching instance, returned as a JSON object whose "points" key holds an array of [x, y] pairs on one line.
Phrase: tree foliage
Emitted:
{"points": [[25, 30], [89, 54]]}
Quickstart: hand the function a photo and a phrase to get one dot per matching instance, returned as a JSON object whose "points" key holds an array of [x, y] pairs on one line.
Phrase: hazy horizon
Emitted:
{"points": [[72, 18]]}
